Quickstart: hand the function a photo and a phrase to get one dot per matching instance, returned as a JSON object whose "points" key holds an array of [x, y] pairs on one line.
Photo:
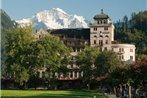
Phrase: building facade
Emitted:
{"points": [[100, 33]]}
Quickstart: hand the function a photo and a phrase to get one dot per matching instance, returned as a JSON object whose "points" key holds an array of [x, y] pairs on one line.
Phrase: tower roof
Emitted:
{"points": [[101, 15]]}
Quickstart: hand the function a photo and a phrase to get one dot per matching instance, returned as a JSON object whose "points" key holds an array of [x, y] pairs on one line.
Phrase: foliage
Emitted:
{"points": [[139, 21], [86, 60], [49, 54], [136, 32], [25, 56], [16, 44], [134, 74], [6, 23], [107, 62], [139, 70]]}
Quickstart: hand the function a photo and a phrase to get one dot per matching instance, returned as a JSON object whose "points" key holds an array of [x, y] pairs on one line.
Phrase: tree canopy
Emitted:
{"points": [[25, 56], [85, 61]]}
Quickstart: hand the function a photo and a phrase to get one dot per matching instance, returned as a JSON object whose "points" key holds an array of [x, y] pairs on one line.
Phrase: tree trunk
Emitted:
{"points": [[120, 88], [88, 85], [129, 87], [114, 90]]}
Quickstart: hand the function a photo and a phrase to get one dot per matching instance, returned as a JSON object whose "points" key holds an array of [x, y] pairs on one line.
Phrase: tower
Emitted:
{"points": [[101, 31]]}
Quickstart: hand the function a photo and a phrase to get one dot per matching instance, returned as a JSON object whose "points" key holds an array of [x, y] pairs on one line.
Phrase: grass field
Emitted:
{"points": [[49, 94]]}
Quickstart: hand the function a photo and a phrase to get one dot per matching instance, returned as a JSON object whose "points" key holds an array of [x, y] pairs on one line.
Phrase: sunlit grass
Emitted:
{"points": [[50, 94]]}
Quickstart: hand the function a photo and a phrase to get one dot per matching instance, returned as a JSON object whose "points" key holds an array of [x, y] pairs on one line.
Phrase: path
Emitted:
{"points": [[111, 95]]}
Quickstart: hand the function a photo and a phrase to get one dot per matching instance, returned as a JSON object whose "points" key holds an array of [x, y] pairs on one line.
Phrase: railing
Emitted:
{"points": [[67, 78]]}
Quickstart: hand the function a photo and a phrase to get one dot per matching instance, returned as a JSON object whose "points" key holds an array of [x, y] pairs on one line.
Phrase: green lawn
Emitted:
{"points": [[49, 94]]}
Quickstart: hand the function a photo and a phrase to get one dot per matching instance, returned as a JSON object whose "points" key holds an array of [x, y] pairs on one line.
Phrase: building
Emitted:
{"points": [[100, 33]]}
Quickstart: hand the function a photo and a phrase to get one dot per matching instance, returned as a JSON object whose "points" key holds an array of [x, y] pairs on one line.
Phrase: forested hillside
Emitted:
{"points": [[133, 31], [6, 23]]}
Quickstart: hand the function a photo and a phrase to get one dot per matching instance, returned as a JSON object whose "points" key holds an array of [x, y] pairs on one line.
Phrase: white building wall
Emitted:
{"points": [[127, 52]]}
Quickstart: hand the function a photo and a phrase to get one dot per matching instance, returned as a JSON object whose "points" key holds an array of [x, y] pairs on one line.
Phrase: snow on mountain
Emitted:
{"points": [[54, 18]]}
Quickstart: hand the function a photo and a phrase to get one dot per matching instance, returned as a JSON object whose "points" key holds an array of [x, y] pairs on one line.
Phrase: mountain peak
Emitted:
{"points": [[54, 18], [59, 10]]}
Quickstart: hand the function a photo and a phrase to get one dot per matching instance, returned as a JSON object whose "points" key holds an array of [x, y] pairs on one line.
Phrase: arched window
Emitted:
{"points": [[95, 36], [106, 36], [101, 36]]}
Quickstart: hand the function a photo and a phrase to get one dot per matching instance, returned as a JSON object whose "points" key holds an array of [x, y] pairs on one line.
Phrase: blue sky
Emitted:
{"points": [[116, 9]]}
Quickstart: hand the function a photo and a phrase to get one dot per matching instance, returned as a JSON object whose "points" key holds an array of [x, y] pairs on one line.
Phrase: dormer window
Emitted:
{"points": [[99, 22], [105, 21], [102, 21]]}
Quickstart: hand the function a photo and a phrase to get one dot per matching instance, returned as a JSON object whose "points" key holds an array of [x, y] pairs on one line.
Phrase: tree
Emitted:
{"points": [[107, 62], [139, 70], [85, 60], [136, 32], [6, 23], [48, 54], [125, 23], [17, 42], [139, 21], [26, 57]]}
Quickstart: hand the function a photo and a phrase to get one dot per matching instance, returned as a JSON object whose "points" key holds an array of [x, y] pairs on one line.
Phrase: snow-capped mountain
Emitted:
{"points": [[54, 18]]}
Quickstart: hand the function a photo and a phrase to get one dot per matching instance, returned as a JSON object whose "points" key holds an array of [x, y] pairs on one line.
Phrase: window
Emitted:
{"points": [[102, 21], [101, 36], [121, 49], [105, 28], [39, 36], [106, 42], [131, 50], [75, 74], [100, 42], [101, 49], [98, 22], [95, 36], [71, 75], [105, 48], [78, 49], [122, 57], [119, 57], [94, 41], [105, 21], [95, 29], [71, 66], [74, 49], [112, 49], [106, 36], [131, 57]]}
